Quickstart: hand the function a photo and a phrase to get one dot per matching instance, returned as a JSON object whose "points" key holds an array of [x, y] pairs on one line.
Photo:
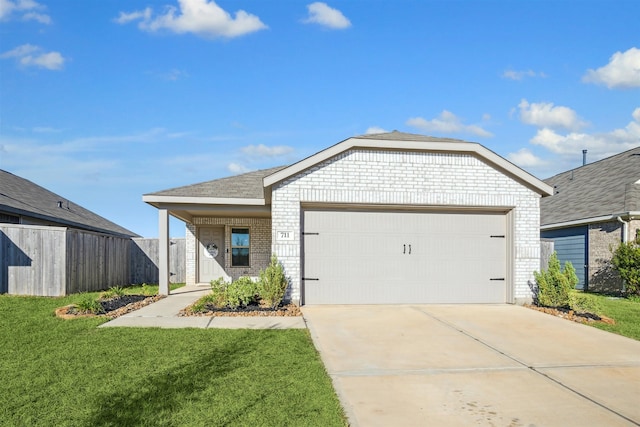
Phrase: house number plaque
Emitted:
{"points": [[285, 235]]}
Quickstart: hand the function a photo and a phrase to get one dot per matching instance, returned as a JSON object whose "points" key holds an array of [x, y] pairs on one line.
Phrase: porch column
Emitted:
{"points": [[163, 251]]}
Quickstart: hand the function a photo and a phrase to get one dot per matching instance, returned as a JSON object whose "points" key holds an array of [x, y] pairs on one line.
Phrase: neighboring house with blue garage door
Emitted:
{"points": [[375, 219], [593, 209]]}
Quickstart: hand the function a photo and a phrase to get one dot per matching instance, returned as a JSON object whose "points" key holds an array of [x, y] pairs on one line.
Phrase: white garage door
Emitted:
{"points": [[382, 257]]}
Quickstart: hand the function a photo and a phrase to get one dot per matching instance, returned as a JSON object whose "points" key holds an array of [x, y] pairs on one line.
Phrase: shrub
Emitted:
{"points": [[626, 261], [89, 304], [218, 292], [240, 293], [273, 283], [584, 303], [112, 292], [148, 290], [201, 305], [554, 284]]}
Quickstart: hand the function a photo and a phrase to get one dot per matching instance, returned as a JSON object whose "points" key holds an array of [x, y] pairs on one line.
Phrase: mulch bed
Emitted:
{"points": [[248, 311], [572, 315], [112, 307]]}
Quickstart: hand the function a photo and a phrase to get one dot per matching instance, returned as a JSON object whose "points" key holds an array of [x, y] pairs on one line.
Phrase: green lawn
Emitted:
{"points": [[625, 312], [57, 372]]}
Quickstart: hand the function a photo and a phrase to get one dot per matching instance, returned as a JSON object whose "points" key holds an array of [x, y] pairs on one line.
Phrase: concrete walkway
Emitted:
{"points": [[484, 365], [164, 314]]}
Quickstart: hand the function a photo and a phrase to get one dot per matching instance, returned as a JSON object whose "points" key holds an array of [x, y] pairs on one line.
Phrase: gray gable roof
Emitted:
{"points": [[404, 136], [609, 186], [407, 141], [20, 196], [244, 186]]}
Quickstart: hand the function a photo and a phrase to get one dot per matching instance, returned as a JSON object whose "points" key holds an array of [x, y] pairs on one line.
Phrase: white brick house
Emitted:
{"points": [[384, 218]]}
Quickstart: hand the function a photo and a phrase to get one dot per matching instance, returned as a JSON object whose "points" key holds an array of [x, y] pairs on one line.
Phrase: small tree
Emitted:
{"points": [[626, 261], [555, 284], [273, 283]]}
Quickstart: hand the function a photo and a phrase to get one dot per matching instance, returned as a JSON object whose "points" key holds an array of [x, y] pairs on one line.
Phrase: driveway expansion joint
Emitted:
{"points": [[535, 369], [407, 372]]}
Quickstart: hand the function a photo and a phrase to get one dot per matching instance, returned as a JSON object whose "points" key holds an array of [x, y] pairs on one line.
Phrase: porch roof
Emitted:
{"points": [[242, 194]]}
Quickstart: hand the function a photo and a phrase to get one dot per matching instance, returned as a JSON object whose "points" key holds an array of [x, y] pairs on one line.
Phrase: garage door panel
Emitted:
{"points": [[403, 257]]}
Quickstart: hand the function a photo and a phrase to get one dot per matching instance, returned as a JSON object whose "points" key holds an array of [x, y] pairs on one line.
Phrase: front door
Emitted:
{"points": [[210, 254]]}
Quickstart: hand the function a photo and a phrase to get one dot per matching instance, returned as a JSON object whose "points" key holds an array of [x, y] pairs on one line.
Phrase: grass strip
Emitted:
{"points": [[69, 373]]}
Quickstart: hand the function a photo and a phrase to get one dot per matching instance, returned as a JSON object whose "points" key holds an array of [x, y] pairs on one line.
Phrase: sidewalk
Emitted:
{"points": [[164, 314]]}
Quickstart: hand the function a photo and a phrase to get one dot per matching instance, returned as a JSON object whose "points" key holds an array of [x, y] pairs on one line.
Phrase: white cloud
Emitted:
{"points": [[519, 75], [40, 17], [26, 9], [201, 17], [237, 168], [545, 114], [262, 150], [33, 56], [20, 51], [599, 145], [50, 60], [322, 14], [525, 159], [622, 71], [448, 123], [375, 129], [125, 18]]}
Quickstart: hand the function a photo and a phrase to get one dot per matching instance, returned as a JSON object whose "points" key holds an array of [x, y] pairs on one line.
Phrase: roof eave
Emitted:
{"points": [[156, 200], [437, 146], [65, 223], [592, 220]]}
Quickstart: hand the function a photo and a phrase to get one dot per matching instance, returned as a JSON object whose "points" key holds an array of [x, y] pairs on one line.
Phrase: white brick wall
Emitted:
{"points": [[403, 177], [260, 245]]}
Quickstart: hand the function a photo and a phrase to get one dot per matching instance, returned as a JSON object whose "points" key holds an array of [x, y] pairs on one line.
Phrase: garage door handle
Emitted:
{"points": [[409, 249], [497, 278], [309, 278]]}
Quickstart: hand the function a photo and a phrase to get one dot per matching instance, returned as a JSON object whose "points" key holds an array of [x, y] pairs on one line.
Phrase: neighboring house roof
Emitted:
{"points": [[604, 189], [250, 192], [21, 197]]}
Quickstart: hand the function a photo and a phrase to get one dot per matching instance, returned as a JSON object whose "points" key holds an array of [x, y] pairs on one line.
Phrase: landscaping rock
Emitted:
{"points": [[113, 307], [571, 315], [248, 311]]}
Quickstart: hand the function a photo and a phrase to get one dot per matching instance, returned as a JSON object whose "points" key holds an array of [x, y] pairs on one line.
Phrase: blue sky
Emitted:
{"points": [[104, 101]]}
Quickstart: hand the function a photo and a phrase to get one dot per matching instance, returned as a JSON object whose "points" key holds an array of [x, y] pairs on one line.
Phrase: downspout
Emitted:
{"points": [[625, 230]]}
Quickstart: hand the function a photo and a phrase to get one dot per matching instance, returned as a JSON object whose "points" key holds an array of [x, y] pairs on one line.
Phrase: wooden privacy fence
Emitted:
{"points": [[546, 250], [144, 260], [56, 261]]}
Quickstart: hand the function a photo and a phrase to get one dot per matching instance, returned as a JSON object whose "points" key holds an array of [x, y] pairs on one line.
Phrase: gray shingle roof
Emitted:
{"points": [[403, 136], [245, 186], [20, 196], [608, 186]]}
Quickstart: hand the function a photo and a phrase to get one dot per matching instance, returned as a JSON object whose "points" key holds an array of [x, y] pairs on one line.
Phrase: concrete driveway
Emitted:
{"points": [[486, 365]]}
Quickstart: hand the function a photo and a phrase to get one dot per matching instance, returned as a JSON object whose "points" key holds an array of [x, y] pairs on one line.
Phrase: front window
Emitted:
{"points": [[240, 247]]}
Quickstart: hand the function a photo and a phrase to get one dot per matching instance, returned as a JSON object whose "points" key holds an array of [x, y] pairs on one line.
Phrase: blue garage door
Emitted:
{"points": [[571, 244]]}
